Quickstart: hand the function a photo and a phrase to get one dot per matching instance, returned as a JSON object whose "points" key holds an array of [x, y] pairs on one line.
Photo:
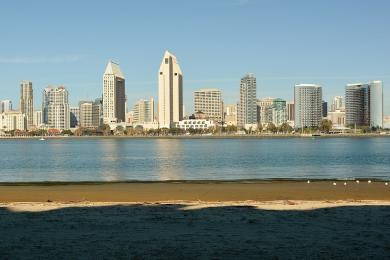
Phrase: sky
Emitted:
{"points": [[327, 42]]}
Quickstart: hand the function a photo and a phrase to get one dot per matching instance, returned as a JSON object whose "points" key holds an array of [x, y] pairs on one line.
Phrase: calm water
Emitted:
{"points": [[186, 159]]}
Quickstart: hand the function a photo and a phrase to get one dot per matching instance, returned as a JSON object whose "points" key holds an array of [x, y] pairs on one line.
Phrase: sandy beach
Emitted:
{"points": [[218, 220]]}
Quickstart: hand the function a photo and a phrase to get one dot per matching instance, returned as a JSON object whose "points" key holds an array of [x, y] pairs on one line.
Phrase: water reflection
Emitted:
{"points": [[111, 161], [170, 158]]}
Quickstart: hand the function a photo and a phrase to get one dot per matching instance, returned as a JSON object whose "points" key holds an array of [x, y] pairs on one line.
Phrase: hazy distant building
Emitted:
{"points": [[364, 104], [308, 105], [337, 104], [264, 107], [6, 105], [99, 102], [290, 106], [209, 101], [55, 108], [247, 107], [114, 97], [170, 91], [37, 120], [13, 120], [143, 111], [337, 117], [26, 102], [230, 114]]}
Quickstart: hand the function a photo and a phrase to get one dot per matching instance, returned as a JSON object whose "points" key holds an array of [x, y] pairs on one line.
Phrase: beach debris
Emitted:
{"points": [[369, 181], [334, 183], [357, 181]]}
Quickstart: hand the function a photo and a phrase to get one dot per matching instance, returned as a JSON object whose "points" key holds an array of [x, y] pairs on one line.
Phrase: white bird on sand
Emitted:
{"points": [[369, 181], [334, 184], [387, 184], [345, 184], [357, 181], [308, 181]]}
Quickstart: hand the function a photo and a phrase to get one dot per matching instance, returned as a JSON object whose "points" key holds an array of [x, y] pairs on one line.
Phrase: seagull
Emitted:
{"points": [[334, 184], [345, 184], [308, 182], [387, 184], [369, 181], [357, 181]]}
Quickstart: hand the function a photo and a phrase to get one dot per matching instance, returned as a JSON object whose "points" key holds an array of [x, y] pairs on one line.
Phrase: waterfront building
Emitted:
{"points": [[194, 124], [230, 115], [308, 105], [26, 102], [337, 117], [337, 104], [278, 112], [55, 108], [170, 91], [324, 108], [264, 108], [209, 101], [6, 105], [129, 117], [247, 107], [89, 114], [290, 106], [13, 120], [143, 111], [364, 104], [37, 120], [99, 102], [74, 116], [386, 122], [114, 97]]}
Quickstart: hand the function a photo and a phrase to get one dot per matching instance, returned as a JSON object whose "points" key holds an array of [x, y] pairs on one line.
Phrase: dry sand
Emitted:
{"points": [[262, 220]]}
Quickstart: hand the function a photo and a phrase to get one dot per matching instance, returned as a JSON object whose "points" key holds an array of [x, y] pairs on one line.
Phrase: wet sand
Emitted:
{"points": [[195, 191]]}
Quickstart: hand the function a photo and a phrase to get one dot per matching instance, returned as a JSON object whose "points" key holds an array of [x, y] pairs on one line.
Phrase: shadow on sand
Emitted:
{"points": [[172, 232]]}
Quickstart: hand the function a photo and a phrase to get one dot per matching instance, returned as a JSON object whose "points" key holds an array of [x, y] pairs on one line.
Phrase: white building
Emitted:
{"points": [[170, 91], [26, 102], [337, 104], [55, 108], [194, 124], [143, 111], [5, 106], [230, 114], [89, 114], [37, 120], [13, 120], [114, 97], [209, 101], [308, 105], [337, 117]]}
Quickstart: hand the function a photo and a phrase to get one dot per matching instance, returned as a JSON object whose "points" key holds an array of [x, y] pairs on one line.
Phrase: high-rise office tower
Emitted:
{"points": [[308, 105], [74, 116], [26, 102], [290, 111], [89, 114], [247, 108], [143, 111], [55, 108], [114, 97], [324, 108], [230, 114], [278, 112], [37, 121], [209, 101], [364, 104], [170, 91]]}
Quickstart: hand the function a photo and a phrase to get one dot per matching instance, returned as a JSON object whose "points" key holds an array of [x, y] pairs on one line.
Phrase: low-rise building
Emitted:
{"points": [[13, 120], [194, 124], [337, 117]]}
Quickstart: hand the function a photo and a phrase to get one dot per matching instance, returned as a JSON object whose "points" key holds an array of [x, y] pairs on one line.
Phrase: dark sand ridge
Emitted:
{"points": [[194, 191]]}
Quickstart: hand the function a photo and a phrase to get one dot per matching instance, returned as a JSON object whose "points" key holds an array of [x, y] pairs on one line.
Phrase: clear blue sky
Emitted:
{"points": [[330, 42]]}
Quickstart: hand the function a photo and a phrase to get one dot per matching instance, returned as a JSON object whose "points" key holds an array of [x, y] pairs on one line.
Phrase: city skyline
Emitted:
{"points": [[278, 63]]}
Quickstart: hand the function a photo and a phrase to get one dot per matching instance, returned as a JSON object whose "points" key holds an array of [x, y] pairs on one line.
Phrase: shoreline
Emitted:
{"points": [[195, 191]]}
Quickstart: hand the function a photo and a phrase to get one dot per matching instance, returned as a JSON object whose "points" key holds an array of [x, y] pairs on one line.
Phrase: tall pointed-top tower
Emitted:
{"points": [[114, 97], [170, 91]]}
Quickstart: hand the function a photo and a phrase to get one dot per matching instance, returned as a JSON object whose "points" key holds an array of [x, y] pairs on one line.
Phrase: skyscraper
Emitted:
{"points": [[55, 108], [230, 114], [290, 111], [6, 105], [278, 111], [74, 116], [209, 101], [264, 106], [324, 108], [308, 105], [170, 91], [247, 108], [26, 102], [364, 104], [337, 104], [143, 111], [89, 114], [114, 97]]}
